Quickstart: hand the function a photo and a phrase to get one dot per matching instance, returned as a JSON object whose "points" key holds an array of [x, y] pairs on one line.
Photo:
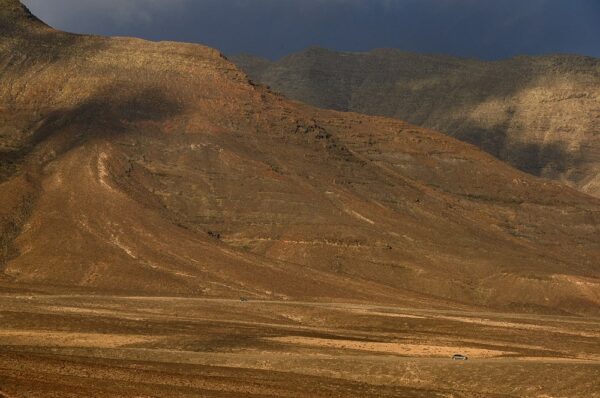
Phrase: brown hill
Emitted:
{"points": [[157, 168], [540, 114]]}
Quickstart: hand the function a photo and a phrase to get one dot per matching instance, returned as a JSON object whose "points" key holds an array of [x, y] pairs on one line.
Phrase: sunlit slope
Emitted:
{"points": [[158, 168], [539, 114]]}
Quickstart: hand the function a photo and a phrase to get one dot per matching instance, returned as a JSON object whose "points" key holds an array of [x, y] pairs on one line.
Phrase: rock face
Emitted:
{"points": [[158, 168], [540, 114]]}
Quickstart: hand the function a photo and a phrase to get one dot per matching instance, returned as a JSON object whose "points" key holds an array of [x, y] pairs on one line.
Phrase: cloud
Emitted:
{"points": [[273, 28], [120, 12]]}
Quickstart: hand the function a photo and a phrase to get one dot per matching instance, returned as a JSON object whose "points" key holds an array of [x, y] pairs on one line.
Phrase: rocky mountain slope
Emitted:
{"points": [[157, 168], [540, 114]]}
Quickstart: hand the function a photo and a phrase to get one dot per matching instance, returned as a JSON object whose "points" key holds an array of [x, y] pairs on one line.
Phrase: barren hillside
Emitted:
{"points": [[540, 114], [151, 168]]}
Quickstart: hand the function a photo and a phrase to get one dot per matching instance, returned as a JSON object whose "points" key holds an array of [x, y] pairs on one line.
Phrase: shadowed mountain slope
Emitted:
{"points": [[158, 168], [540, 114]]}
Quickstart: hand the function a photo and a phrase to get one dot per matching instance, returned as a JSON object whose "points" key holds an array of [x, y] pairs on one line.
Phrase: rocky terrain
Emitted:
{"points": [[146, 186], [540, 114]]}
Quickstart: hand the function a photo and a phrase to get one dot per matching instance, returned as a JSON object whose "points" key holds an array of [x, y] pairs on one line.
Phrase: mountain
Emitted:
{"points": [[539, 114], [158, 168]]}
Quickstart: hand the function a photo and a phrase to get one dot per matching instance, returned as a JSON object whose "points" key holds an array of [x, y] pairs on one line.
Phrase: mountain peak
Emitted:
{"points": [[13, 13]]}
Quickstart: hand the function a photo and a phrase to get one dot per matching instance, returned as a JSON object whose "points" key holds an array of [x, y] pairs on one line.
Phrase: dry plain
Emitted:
{"points": [[73, 345]]}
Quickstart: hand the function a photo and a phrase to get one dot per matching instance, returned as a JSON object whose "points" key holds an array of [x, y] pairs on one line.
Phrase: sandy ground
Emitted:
{"points": [[411, 350], [106, 346]]}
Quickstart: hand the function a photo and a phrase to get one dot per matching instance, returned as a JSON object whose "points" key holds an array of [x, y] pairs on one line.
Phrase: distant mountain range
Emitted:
{"points": [[539, 114]]}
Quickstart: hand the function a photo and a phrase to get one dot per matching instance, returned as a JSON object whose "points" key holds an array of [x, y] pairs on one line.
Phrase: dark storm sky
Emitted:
{"points": [[272, 28]]}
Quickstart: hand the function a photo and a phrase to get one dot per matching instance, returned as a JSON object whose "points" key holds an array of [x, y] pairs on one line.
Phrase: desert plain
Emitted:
{"points": [[76, 345]]}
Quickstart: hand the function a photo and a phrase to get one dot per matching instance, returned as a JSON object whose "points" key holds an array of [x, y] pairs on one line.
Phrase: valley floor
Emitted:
{"points": [[110, 346]]}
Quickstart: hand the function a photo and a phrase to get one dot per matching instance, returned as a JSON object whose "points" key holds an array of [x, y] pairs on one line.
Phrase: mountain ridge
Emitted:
{"points": [[540, 114], [14, 13], [159, 169]]}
